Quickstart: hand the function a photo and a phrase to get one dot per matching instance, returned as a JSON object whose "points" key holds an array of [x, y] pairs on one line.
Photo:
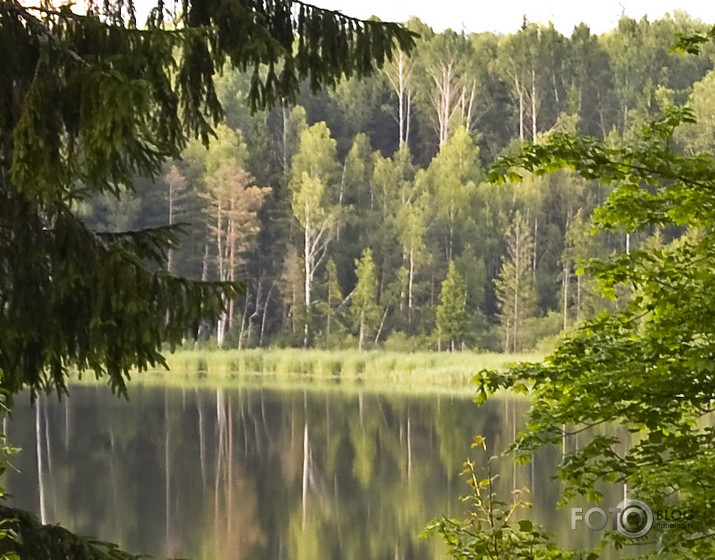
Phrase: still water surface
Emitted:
{"points": [[262, 473]]}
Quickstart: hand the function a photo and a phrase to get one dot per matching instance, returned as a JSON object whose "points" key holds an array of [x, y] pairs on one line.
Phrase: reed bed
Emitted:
{"points": [[430, 368]]}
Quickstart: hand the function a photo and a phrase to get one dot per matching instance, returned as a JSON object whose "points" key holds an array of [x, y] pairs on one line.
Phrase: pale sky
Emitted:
{"points": [[506, 16]]}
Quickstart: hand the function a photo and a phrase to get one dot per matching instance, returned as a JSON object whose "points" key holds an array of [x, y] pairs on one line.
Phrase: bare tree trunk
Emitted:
{"points": [[516, 288], [382, 323], [401, 97], [170, 252], [407, 127], [567, 278], [308, 274], [361, 338], [521, 108], [40, 467], [536, 236], [410, 283], [243, 322], [265, 312], [533, 104], [285, 139]]}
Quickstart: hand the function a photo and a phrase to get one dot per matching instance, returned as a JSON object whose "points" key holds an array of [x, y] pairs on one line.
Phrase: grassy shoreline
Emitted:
{"points": [[420, 371]]}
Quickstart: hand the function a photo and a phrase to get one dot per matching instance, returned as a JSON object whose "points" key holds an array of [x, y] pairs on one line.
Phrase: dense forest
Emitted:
{"points": [[362, 216]]}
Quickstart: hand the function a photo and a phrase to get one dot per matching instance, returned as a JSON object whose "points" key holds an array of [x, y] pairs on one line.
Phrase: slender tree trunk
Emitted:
{"points": [[521, 108], [205, 260], [362, 330], [40, 466], [533, 104], [567, 278], [410, 283], [308, 275], [382, 323], [264, 314], [407, 126], [243, 323], [516, 288], [401, 98], [536, 236], [285, 140], [170, 252]]}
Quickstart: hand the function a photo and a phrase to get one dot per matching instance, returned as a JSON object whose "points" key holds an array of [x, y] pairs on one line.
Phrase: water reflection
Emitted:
{"points": [[259, 473]]}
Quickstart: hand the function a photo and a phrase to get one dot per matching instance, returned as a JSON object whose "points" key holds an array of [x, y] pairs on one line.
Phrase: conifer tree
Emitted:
{"points": [[514, 286], [452, 310]]}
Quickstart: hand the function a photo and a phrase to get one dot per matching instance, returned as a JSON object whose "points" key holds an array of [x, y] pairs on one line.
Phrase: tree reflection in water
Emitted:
{"points": [[260, 473]]}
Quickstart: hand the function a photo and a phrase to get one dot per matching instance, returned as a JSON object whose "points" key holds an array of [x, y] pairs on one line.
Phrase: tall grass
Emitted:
{"points": [[437, 369]]}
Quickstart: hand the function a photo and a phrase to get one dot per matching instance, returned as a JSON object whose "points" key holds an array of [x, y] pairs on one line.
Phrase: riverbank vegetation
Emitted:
{"points": [[431, 369]]}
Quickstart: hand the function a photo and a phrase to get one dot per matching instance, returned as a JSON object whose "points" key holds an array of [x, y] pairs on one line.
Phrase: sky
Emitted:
{"points": [[506, 16]]}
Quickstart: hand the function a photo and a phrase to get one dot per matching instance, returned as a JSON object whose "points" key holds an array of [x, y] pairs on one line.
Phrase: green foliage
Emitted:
{"points": [[452, 313], [491, 530], [514, 287], [88, 101], [418, 209], [363, 305], [648, 366], [30, 540]]}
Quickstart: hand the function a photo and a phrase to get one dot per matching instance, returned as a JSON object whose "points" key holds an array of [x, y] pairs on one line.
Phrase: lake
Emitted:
{"points": [[261, 473]]}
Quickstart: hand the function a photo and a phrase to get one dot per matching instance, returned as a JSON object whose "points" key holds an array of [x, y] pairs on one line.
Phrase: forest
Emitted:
{"points": [[363, 217]]}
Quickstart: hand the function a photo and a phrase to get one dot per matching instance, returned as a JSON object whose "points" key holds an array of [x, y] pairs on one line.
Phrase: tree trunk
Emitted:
{"points": [[533, 104], [521, 108], [382, 323], [40, 467], [516, 289], [362, 330], [263, 315], [566, 295], [409, 288], [308, 273]]}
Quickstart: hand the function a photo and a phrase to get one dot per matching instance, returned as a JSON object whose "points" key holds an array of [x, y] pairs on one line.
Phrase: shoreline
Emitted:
{"points": [[325, 370]]}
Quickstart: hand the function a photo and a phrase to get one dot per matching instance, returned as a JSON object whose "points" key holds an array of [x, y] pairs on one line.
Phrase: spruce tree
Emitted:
{"points": [[514, 286], [88, 101], [452, 310]]}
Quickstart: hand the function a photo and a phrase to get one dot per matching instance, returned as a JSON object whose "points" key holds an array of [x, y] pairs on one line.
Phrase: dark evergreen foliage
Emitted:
{"points": [[90, 101]]}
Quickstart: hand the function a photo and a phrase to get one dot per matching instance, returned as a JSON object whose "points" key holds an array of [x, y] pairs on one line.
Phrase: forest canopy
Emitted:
{"points": [[397, 163], [90, 102]]}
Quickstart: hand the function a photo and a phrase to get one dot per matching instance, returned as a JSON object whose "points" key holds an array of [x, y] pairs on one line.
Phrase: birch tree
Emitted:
{"points": [[363, 307], [399, 74], [176, 193], [454, 175], [449, 86], [314, 171]]}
